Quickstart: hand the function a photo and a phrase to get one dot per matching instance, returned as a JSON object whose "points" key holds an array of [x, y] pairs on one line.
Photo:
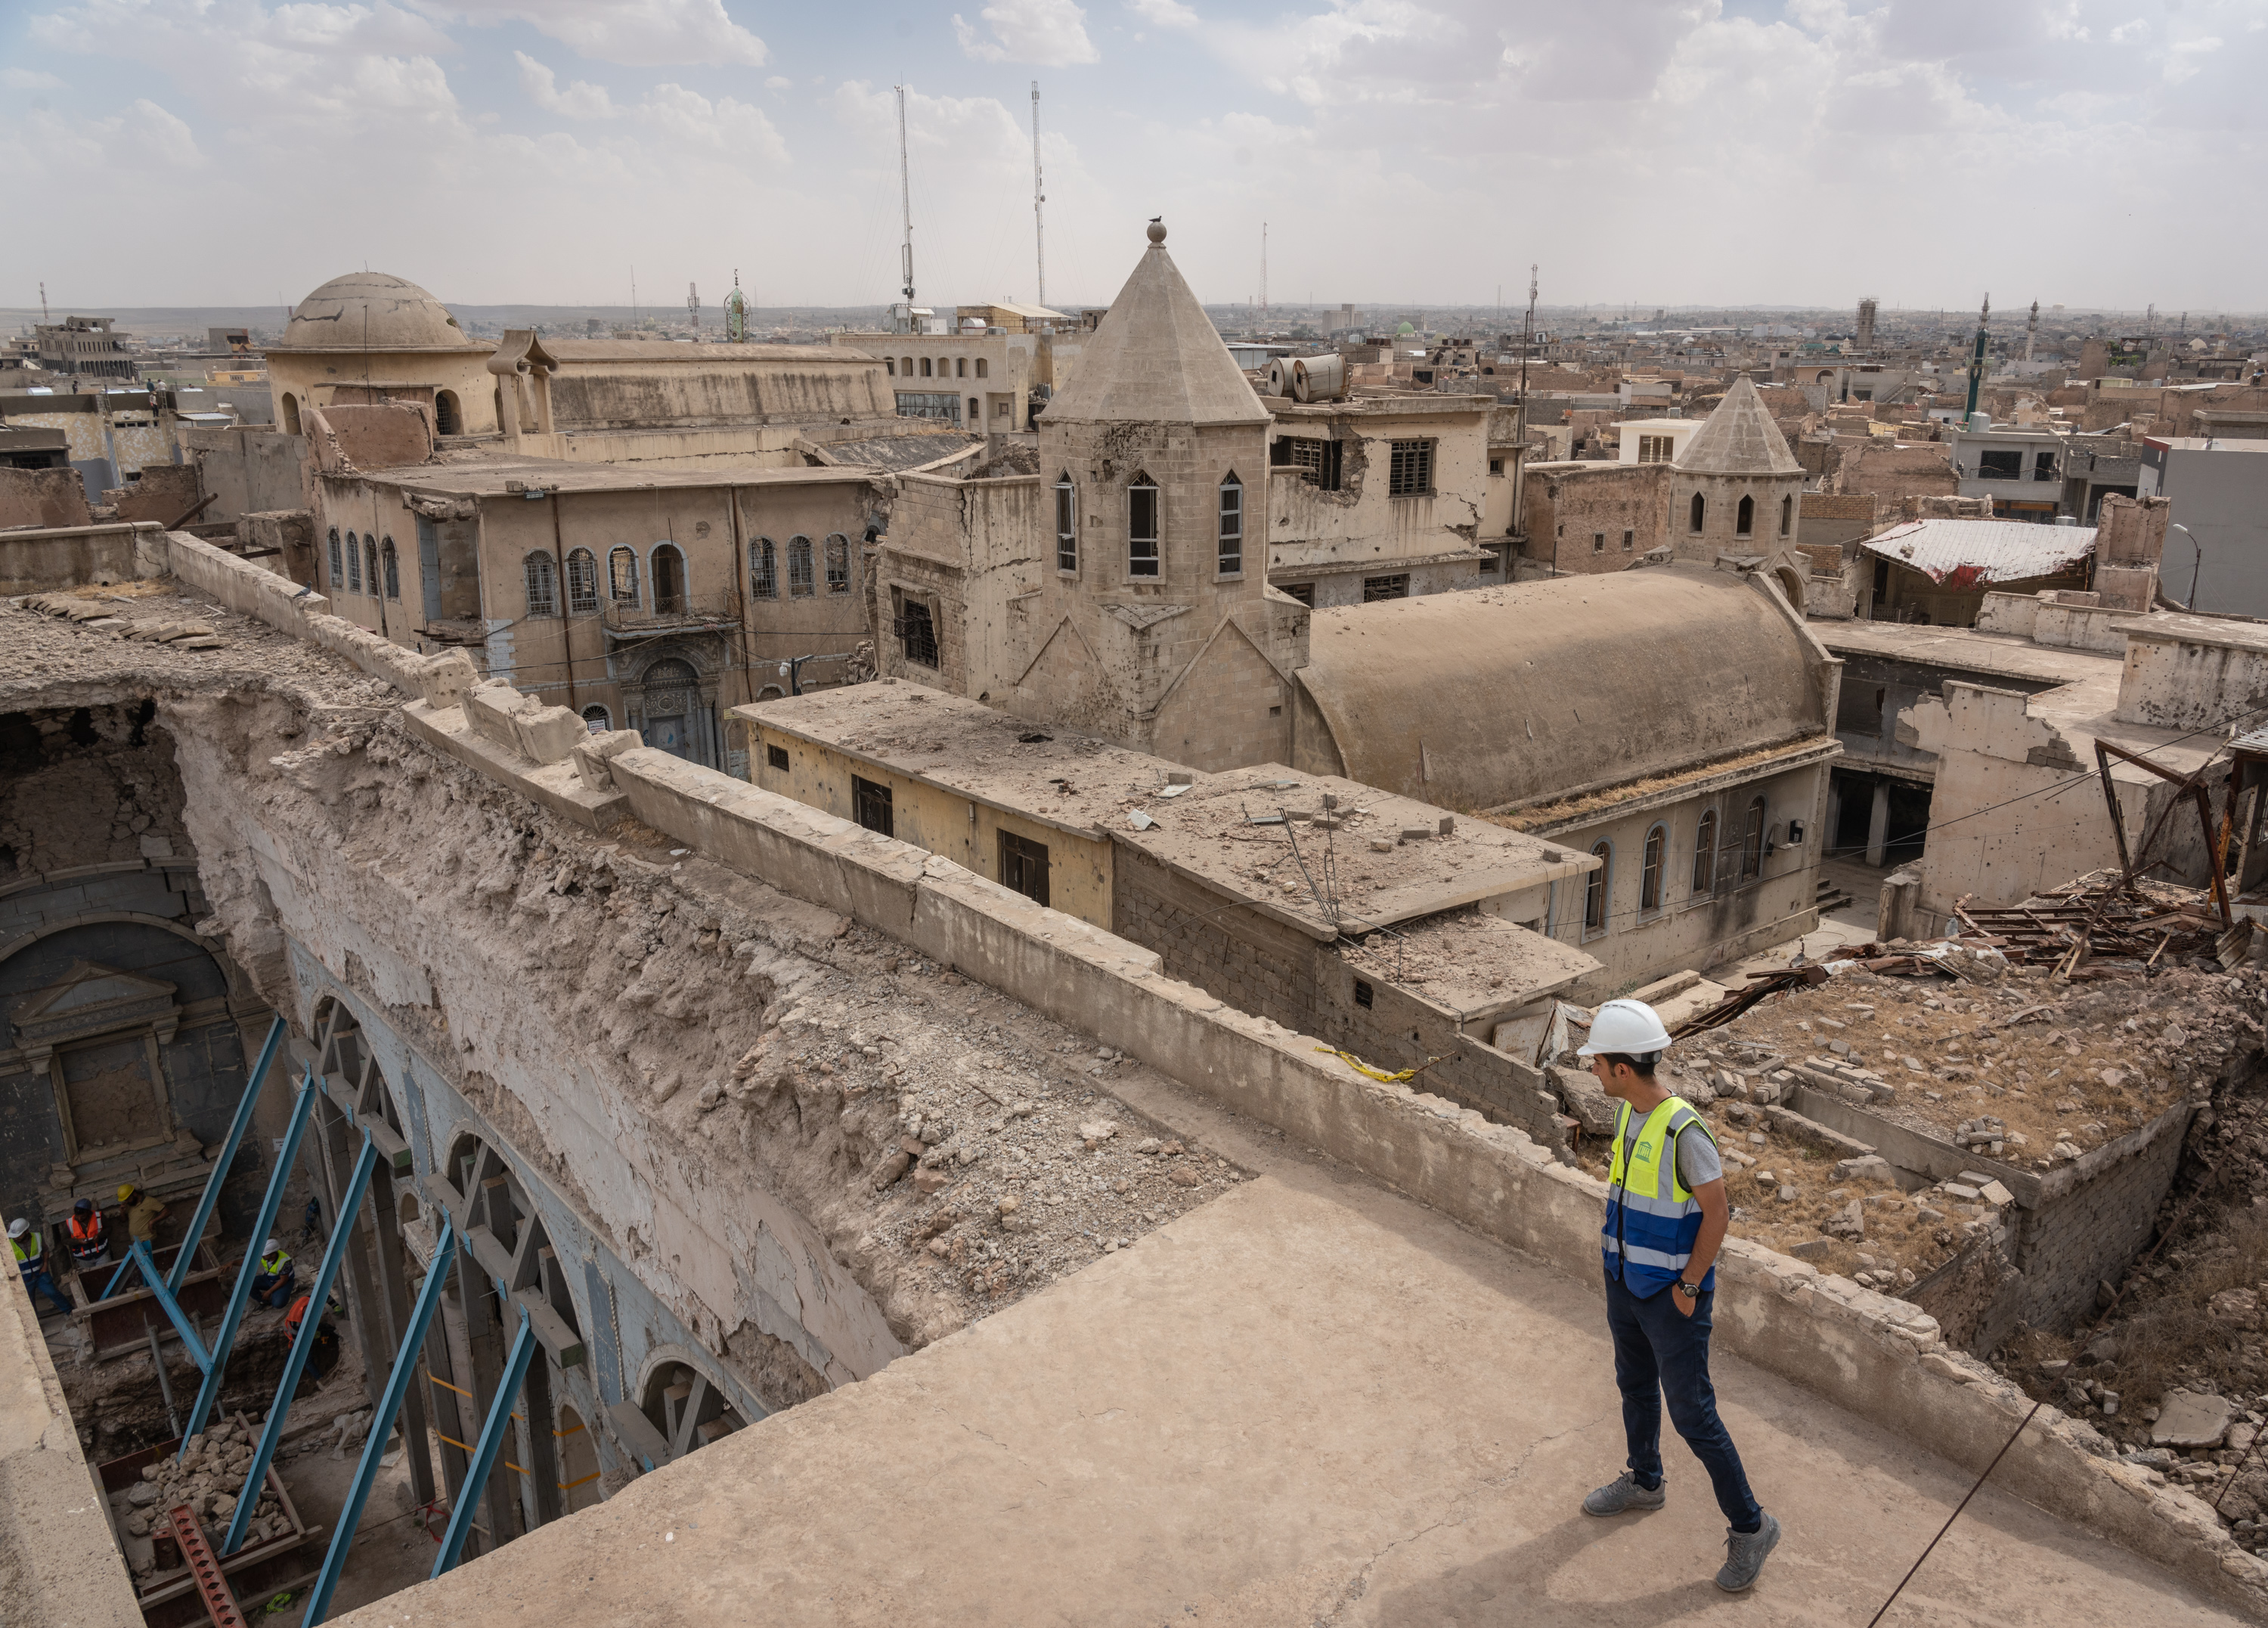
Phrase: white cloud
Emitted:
{"points": [[578, 101], [28, 79], [1165, 13], [779, 82], [637, 33], [1051, 34], [2128, 33]]}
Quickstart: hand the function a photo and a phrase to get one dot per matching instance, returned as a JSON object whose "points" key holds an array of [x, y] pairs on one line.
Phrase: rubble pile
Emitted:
{"points": [[207, 1479]]}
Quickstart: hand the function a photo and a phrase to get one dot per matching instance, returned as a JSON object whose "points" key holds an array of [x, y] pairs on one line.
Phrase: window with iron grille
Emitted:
{"points": [[1232, 526], [800, 583], [1410, 470], [870, 806], [543, 585], [338, 565], [776, 756], [1376, 588], [622, 576], [583, 583], [763, 568], [1303, 592], [1656, 448], [1066, 523], [353, 563], [1024, 867], [838, 563], [1142, 549], [917, 633]]}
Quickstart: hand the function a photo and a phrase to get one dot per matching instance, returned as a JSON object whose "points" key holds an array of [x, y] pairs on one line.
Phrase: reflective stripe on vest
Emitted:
{"points": [[274, 1264], [26, 1260], [1652, 1223]]}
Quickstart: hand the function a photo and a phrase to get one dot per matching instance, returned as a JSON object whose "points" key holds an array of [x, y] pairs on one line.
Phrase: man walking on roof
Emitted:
{"points": [[1666, 1219]]}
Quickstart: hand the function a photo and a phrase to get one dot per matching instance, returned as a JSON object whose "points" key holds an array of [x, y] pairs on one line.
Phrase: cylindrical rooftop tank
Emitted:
{"points": [[1278, 381], [1318, 377]]}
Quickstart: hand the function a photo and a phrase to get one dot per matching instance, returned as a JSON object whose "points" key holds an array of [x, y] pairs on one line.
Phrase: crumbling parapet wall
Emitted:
{"points": [[42, 560]]}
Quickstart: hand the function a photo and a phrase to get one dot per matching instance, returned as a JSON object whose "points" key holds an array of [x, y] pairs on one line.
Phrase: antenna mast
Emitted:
{"points": [[1263, 269], [44, 317], [906, 202], [1039, 197]]}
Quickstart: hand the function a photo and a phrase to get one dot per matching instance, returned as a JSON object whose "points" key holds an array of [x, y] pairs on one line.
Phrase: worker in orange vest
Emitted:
{"points": [[90, 1239]]}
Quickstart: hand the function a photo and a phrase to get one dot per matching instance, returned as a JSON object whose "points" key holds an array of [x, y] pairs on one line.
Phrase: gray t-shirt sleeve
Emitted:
{"points": [[1696, 1157]]}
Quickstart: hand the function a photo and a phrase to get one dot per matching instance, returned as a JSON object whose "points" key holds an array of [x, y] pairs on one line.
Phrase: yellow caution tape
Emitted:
{"points": [[1361, 1067]]}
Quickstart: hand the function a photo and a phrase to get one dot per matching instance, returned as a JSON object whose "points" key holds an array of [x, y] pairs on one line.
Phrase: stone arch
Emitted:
{"points": [[685, 1397], [448, 417]]}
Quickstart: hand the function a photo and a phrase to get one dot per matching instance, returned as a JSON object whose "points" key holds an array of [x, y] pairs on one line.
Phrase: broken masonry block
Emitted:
{"points": [[489, 708], [548, 735], [444, 680]]}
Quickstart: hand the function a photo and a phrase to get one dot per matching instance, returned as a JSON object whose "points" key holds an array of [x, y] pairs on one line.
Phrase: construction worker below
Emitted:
{"points": [[31, 1264], [274, 1283], [90, 1238], [1665, 1218], [142, 1214]]}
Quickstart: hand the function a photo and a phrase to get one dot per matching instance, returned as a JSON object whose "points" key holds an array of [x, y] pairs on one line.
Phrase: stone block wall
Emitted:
{"points": [[2089, 1232], [1228, 950]]}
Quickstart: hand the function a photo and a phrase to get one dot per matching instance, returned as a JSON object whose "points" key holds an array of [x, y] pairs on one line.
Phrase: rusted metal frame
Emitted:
{"points": [[2219, 880], [2117, 822]]}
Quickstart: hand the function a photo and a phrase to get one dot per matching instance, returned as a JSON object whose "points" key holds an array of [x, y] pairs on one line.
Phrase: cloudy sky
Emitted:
{"points": [[233, 151]]}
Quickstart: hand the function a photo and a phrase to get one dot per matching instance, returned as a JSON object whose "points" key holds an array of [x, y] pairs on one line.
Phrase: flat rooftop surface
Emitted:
{"points": [[1965, 648], [1309, 1402], [1472, 964], [485, 475], [1226, 829]]}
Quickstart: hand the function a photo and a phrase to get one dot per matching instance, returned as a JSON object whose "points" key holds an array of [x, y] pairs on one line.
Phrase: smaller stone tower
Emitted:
{"points": [[1736, 489]]}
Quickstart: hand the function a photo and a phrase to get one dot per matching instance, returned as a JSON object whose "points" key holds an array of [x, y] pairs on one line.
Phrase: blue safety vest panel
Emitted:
{"points": [[1651, 1219]]}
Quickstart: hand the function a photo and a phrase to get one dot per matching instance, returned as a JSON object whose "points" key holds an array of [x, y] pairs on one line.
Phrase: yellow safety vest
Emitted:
{"points": [[1651, 1219], [24, 1257], [273, 1265]]}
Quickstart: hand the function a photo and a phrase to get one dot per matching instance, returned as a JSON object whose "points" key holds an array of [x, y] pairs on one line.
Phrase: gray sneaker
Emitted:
{"points": [[1623, 1494], [1744, 1555]]}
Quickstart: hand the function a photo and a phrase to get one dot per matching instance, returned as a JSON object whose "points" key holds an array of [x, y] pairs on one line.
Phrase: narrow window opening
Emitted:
{"points": [[622, 574], [763, 568], [668, 579], [1594, 889], [1066, 523], [918, 633], [1744, 517], [1700, 511], [1232, 526], [1142, 541], [1649, 884], [838, 563], [583, 583], [1704, 852], [800, 584]]}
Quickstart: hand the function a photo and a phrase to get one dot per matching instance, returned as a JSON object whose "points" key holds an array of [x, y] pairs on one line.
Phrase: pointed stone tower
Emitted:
{"points": [[1152, 623], [1736, 489]]}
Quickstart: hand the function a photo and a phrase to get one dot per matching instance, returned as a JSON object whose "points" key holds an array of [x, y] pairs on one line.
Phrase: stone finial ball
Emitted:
{"points": [[1157, 232]]}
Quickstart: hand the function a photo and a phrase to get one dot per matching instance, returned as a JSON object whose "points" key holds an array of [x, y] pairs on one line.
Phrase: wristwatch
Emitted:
{"points": [[1691, 1291]]}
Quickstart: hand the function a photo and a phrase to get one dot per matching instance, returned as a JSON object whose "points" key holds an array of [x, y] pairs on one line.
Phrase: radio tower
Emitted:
{"points": [[1039, 197], [1263, 271], [906, 204]]}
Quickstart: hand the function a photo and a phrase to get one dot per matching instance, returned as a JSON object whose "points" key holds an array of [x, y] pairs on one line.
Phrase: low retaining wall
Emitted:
{"points": [[284, 604], [42, 560]]}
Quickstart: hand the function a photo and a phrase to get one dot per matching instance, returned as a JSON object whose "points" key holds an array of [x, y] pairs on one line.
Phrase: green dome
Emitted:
{"points": [[1404, 328]]}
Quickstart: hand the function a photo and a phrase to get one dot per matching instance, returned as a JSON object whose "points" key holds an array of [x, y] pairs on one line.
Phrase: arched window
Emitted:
{"points": [[392, 566], [1700, 511], [1704, 851], [1744, 517], [1143, 544], [353, 563], [1752, 843], [370, 560], [838, 563], [981, 369], [925, 372], [598, 718], [1649, 880], [961, 367], [1066, 523], [906, 367], [543, 584], [975, 413], [290, 414], [582, 583], [449, 418], [1232, 526], [800, 584], [1595, 886], [668, 577], [338, 565], [890, 366], [622, 576], [763, 568], [1787, 515]]}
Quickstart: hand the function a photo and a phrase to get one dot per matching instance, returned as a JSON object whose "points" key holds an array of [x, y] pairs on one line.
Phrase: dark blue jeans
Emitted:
{"points": [[41, 1283], [1660, 1352], [276, 1291]]}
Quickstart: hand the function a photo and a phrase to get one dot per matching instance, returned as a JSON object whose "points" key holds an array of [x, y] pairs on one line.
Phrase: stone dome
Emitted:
{"points": [[374, 311]]}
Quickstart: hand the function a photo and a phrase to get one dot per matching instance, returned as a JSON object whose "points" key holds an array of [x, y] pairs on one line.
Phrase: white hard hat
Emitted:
{"points": [[272, 1247], [18, 1227], [1630, 1028]]}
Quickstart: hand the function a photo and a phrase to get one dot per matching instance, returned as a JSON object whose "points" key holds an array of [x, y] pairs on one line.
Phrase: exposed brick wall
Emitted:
{"points": [[1569, 509], [2091, 1234]]}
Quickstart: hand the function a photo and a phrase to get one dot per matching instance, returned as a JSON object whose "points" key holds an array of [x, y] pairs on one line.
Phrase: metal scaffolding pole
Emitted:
{"points": [[491, 1444]]}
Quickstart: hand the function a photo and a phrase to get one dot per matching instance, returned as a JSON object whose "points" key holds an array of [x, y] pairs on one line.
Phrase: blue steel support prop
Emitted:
{"points": [[211, 1196], [209, 1393], [381, 1423], [302, 1347], [491, 1445], [236, 1130], [139, 1258]]}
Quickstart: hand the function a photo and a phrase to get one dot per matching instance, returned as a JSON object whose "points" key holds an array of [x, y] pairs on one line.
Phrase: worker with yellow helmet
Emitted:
{"points": [[142, 1213], [1666, 1219]]}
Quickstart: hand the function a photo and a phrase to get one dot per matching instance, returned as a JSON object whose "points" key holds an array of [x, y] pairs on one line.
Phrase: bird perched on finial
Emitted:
{"points": [[1157, 228]]}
